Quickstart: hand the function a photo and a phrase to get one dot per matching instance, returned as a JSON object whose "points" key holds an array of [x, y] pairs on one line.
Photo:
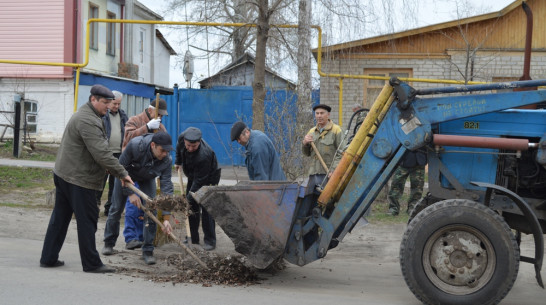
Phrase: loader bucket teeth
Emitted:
{"points": [[257, 216]]}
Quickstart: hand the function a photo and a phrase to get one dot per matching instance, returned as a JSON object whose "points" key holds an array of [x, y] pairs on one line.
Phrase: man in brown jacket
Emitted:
{"points": [[82, 161], [145, 122]]}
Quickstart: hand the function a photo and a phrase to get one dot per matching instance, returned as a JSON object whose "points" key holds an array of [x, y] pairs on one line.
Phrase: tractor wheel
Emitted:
{"points": [[459, 252]]}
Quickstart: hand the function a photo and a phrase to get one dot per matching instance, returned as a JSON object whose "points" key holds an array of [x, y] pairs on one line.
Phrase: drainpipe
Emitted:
{"points": [[75, 26], [528, 41], [121, 34], [527, 57]]}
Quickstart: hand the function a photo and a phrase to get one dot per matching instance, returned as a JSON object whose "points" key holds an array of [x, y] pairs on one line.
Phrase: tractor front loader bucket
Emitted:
{"points": [[257, 216]]}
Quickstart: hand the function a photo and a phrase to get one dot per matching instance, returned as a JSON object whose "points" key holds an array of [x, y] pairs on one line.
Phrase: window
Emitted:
{"points": [[93, 27], [31, 116], [111, 35], [372, 87]]}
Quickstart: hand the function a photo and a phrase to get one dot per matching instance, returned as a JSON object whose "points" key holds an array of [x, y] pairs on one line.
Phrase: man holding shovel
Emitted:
{"points": [[198, 161], [145, 158], [148, 121], [81, 164], [321, 144]]}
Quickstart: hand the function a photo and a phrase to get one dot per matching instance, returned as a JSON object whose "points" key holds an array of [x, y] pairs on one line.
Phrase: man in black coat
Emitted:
{"points": [[199, 164]]}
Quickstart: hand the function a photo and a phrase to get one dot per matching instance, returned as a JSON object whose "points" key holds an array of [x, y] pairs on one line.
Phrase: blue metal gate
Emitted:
{"points": [[215, 110]]}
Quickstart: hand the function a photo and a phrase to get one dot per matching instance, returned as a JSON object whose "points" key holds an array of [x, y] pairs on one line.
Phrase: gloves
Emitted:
{"points": [[153, 124]]}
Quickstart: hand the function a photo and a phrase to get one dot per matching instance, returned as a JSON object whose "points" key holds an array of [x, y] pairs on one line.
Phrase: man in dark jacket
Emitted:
{"points": [[262, 161], [198, 161], [114, 122], [148, 121], [78, 175], [145, 158], [412, 166]]}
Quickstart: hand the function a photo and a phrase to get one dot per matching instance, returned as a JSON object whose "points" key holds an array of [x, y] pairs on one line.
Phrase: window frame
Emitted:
{"points": [[30, 109], [93, 27], [110, 34]]}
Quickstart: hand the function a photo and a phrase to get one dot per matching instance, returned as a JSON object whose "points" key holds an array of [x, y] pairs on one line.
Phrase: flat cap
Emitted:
{"points": [[164, 140], [162, 106], [236, 130], [192, 134], [100, 90], [323, 106]]}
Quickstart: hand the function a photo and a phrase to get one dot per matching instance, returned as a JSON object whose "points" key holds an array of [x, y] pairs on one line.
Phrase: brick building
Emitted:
{"points": [[488, 48]]}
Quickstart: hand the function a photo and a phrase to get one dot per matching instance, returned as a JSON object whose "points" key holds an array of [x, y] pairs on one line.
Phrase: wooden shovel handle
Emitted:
{"points": [[319, 157], [183, 191]]}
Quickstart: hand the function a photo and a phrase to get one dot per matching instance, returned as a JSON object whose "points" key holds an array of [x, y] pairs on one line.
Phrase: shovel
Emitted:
{"points": [[183, 191], [171, 235]]}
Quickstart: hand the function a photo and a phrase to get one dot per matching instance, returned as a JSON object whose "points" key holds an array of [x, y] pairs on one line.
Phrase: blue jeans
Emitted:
{"points": [[134, 223], [111, 232]]}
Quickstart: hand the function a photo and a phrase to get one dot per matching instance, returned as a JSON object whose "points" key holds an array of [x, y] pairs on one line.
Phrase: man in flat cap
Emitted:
{"points": [[145, 158], [146, 121], [82, 161], [262, 161], [327, 137], [198, 161]]}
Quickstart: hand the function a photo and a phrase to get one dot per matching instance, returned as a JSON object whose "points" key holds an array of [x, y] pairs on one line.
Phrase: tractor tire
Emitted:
{"points": [[459, 252]]}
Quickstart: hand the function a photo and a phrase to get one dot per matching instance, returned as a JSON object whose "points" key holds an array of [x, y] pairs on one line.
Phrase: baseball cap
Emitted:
{"points": [[164, 140]]}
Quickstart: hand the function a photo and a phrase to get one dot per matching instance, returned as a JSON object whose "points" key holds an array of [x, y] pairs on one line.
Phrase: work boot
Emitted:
{"points": [[133, 244], [58, 263], [108, 250], [103, 269], [149, 258], [208, 247], [393, 212]]}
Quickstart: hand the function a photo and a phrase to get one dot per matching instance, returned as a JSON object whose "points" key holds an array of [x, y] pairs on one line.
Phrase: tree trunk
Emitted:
{"points": [[238, 34], [258, 85], [304, 63]]}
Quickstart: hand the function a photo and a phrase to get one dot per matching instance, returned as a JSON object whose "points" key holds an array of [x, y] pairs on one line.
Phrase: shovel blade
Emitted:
{"points": [[257, 216]]}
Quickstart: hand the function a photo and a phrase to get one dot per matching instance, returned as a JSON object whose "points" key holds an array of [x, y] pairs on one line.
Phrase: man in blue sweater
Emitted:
{"points": [[262, 161]]}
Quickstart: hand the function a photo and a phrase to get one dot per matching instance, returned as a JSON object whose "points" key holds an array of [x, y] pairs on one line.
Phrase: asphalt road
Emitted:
{"points": [[363, 269]]}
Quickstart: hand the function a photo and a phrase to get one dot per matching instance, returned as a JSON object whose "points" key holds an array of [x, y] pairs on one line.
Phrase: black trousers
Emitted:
{"points": [[72, 199], [200, 214]]}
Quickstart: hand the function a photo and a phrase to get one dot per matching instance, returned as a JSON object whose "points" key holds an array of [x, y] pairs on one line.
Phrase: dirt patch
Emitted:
{"points": [[170, 203], [175, 268]]}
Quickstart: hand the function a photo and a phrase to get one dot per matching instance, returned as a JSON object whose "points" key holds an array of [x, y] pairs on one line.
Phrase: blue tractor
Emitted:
{"points": [[487, 186]]}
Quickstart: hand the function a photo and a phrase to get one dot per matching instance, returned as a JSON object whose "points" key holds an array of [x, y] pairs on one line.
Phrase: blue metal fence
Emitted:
{"points": [[215, 110]]}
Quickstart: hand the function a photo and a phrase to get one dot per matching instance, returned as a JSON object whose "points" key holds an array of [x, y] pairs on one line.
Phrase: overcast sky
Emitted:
{"points": [[430, 12]]}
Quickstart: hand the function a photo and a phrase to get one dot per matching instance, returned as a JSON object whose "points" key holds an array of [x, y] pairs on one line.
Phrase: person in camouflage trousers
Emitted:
{"points": [[412, 166]]}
